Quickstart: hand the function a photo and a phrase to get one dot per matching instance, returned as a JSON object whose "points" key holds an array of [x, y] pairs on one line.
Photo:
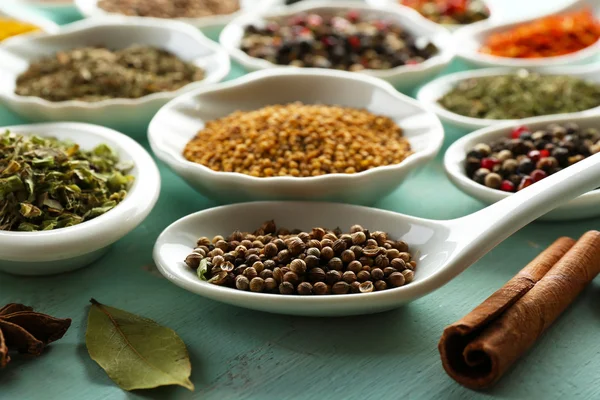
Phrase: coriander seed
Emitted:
{"points": [[313, 251], [355, 266], [320, 288], [340, 287], [336, 264], [305, 288], [270, 250], [250, 273], [355, 287], [286, 288], [380, 285], [349, 277], [316, 275], [347, 256], [327, 253], [363, 276], [298, 266], [398, 264], [257, 284], [242, 283], [408, 275], [377, 274], [333, 277], [366, 287], [396, 279], [266, 273], [193, 260], [291, 277]]}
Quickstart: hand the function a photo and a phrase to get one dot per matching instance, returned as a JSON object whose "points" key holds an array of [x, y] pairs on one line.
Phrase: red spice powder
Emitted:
{"points": [[550, 36]]}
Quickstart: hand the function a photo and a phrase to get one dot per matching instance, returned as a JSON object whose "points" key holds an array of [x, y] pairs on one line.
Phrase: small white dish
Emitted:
{"points": [[129, 115], [584, 206], [404, 77], [442, 249], [66, 249], [48, 4], [89, 8], [431, 92], [472, 37], [495, 14], [181, 119], [10, 11]]}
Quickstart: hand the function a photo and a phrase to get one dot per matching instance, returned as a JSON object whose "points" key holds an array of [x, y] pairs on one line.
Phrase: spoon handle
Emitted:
{"points": [[493, 224]]}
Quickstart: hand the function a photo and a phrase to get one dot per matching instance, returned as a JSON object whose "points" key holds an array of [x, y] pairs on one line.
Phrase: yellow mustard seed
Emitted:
{"points": [[298, 140]]}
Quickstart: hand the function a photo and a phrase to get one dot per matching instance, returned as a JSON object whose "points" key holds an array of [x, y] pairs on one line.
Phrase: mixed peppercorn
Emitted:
{"points": [[551, 36], [451, 12], [319, 262], [511, 164], [344, 41]]}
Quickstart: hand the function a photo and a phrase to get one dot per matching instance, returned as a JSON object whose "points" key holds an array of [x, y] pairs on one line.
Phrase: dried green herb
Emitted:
{"points": [[97, 73], [48, 184], [521, 95], [136, 352]]}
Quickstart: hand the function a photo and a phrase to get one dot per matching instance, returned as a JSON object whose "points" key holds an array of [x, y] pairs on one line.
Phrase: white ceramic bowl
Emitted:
{"points": [[494, 11], [472, 38], [11, 11], [585, 206], [89, 8], [48, 4], [129, 115], [431, 92], [404, 77], [66, 249], [179, 121]]}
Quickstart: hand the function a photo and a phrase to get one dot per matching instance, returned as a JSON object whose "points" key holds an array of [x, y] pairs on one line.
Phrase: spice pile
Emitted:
{"points": [[450, 12], [10, 28], [47, 184], [298, 140], [97, 73], [170, 8], [551, 36], [520, 95], [305, 263], [512, 164], [340, 41]]}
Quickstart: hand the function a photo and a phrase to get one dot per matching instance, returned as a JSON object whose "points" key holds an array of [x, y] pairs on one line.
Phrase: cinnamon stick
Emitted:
{"points": [[478, 349]]}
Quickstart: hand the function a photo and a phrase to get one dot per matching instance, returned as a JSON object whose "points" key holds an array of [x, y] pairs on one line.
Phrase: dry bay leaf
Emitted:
{"points": [[136, 352]]}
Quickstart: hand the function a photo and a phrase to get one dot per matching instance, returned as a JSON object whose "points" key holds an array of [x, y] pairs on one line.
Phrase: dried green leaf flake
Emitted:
{"points": [[203, 269], [46, 183], [520, 95], [136, 352]]}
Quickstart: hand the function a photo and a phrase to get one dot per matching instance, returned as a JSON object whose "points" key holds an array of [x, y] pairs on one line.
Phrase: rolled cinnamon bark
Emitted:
{"points": [[477, 350]]}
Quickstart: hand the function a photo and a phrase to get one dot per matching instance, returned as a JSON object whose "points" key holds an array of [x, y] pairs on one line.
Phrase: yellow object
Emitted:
{"points": [[11, 27]]}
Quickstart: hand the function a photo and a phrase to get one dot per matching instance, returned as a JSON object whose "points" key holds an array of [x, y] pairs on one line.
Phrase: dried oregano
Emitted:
{"points": [[47, 184], [520, 95]]}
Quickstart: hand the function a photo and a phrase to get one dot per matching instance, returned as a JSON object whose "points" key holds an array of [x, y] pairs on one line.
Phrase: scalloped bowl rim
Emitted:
{"points": [[91, 23], [456, 173], [452, 79], [200, 22], [411, 161], [444, 56], [484, 27], [142, 196]]}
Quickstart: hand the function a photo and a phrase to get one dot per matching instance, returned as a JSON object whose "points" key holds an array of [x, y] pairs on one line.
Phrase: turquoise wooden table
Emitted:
{"points": [[242, 354]]}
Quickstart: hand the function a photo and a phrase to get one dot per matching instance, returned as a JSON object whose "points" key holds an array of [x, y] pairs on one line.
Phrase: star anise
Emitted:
{"points": [[27, 331]]}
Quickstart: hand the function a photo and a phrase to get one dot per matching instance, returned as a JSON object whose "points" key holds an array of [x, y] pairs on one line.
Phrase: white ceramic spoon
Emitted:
{"points": [[442, 249]]}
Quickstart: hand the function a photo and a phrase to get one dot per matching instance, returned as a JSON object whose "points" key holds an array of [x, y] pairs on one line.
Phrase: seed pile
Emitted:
{"points": [[170, 8], [512, 164], [97, 73], [340, 41], [521, 95], [305, 263], [460, 12], [298, 140]]}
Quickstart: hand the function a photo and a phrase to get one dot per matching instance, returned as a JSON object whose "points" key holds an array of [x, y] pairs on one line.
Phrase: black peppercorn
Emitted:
{"points": [[480, 174]]}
